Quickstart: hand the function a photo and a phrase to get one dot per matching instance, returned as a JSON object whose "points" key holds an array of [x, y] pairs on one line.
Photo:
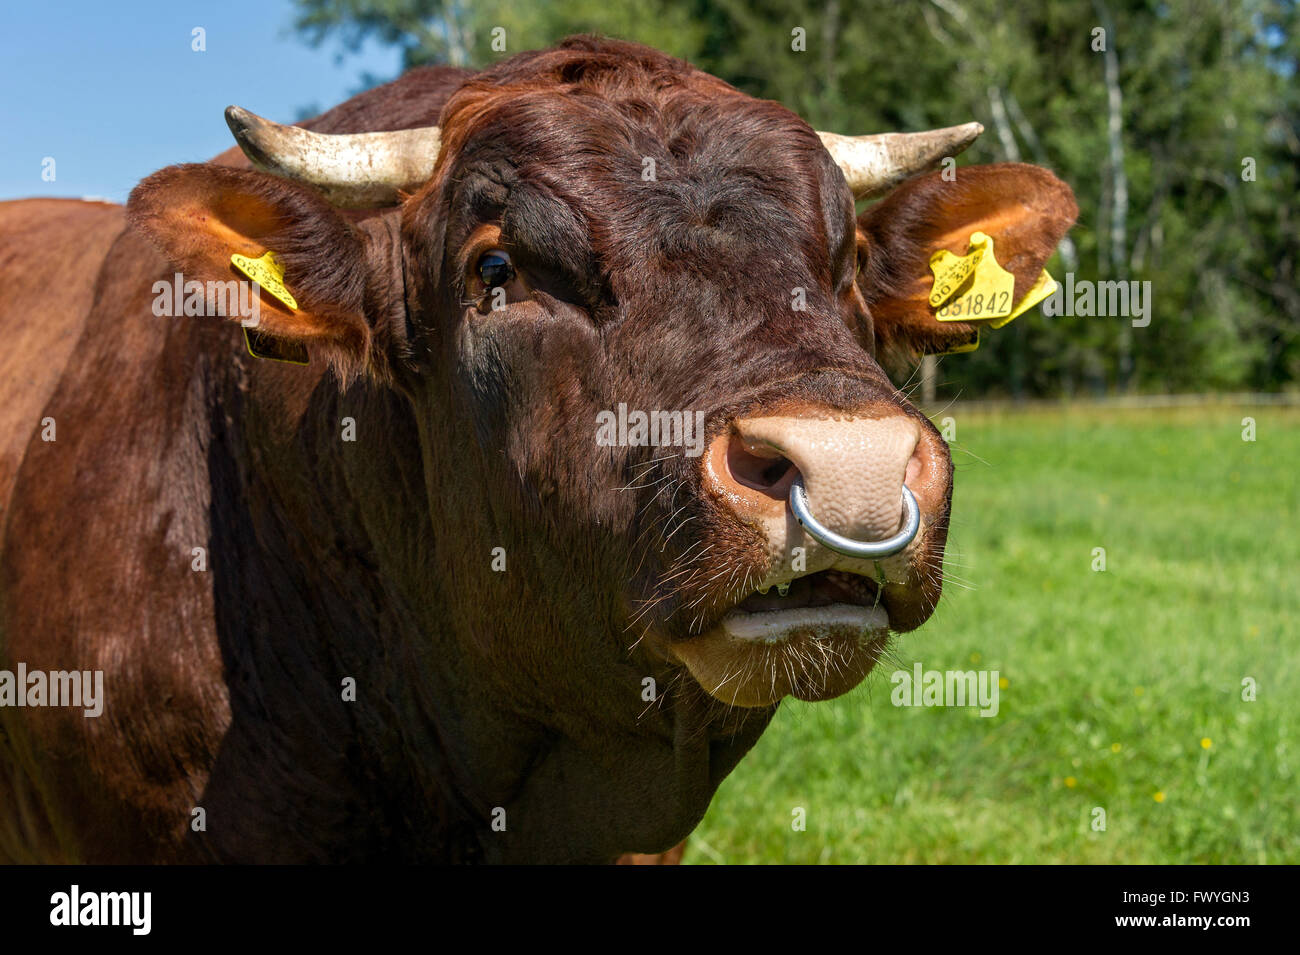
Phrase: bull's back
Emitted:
{"points": [[50, 255]]}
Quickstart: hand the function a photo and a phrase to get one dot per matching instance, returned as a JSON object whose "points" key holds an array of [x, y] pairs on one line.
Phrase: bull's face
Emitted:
{"points": [[696, 271], [636, 313]]}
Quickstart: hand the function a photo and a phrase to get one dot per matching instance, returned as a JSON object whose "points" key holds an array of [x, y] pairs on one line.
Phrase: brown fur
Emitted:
{"points": [[476, 690]]}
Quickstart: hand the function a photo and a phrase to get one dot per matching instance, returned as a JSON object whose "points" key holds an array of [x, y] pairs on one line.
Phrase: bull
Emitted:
{"points": [[400, 602]]}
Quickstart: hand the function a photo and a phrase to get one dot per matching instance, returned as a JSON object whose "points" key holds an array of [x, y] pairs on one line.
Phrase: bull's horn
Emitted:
{"points": [[874, 164], [353, 170]]}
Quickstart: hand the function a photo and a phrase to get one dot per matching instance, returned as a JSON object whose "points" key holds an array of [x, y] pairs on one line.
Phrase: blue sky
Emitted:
{"points": [[113, 90]]}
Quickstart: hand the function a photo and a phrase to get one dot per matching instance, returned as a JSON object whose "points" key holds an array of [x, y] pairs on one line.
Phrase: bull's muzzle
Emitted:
{"points": [[866, 550]]}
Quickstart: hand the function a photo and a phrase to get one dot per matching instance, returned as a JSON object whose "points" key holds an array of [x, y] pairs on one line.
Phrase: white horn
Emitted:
{"points": [[353, 170], [874, 164]]}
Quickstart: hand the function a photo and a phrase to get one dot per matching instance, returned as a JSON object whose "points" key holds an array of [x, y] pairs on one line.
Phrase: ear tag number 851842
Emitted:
{"points": [[974, 286]]}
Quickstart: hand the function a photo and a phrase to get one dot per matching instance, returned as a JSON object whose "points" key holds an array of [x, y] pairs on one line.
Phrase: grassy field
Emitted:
{"points": [[1122, 689]]}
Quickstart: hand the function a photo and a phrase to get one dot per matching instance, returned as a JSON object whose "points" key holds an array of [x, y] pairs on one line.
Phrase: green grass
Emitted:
{"points": [[1114, 679]]}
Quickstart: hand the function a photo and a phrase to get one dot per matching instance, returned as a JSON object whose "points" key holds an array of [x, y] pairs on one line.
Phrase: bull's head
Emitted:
{"points": [[597, 231]]}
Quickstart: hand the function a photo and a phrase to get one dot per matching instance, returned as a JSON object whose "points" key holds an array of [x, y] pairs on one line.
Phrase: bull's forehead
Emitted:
{"points": [[674, 176]]}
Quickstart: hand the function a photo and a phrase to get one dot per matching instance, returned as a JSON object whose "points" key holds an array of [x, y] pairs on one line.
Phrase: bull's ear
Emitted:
{"points": [[1025, 209], [200, 215]]}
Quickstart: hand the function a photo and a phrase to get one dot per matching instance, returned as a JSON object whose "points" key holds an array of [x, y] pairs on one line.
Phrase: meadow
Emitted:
{"points": [[1124, 689]]}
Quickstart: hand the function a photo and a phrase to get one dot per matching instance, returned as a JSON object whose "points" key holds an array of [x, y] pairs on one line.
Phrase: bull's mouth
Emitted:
{"points": [[813, 637], [826, 588]]}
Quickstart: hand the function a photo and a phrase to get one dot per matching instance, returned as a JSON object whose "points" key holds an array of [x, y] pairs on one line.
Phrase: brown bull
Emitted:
{"points": [[423, 599]]}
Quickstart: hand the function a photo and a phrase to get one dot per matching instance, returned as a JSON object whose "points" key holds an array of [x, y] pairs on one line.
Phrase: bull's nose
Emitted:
{"points": [[853, 470]]}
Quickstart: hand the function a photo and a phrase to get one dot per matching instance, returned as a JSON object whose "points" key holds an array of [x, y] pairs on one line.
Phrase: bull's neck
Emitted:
{"points": [[327, 650], [341, 577]]}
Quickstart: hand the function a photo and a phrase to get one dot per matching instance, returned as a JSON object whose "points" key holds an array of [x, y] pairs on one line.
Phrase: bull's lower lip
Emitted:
{"points": [[754, 658], [816, 637], [777, 626]]}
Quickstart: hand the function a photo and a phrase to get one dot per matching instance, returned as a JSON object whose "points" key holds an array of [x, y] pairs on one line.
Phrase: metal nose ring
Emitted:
{"points": [[867, 550]]}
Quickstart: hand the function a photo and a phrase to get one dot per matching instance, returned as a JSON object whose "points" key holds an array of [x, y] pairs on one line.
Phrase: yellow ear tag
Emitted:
{"points": [[952, 271], [1043, 286], [267, 272], [984, 295]]}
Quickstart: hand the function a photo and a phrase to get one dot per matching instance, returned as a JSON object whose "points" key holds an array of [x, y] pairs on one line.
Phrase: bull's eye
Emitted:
{"points": [[494, 269], [492, 281]]}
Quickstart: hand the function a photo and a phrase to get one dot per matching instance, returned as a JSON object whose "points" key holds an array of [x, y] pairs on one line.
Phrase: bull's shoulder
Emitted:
{"points": [[50, 255]]}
